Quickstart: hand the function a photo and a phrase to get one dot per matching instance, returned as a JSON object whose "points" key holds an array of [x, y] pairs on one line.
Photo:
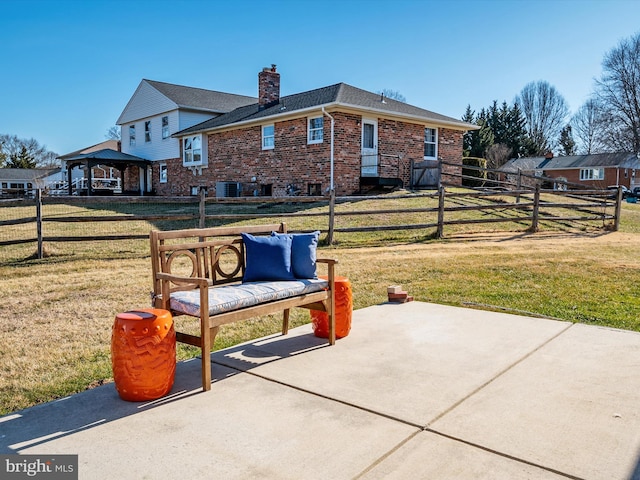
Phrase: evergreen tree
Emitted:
{"points": [[22, 159], [567, 144]]}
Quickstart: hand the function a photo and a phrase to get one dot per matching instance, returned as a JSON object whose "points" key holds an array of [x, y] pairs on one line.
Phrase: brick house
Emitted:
{"points": [[598, 170], [300, 143]]}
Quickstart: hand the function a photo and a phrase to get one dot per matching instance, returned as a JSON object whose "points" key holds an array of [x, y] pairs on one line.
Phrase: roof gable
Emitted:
{"points": [[153, 98], [338, 95]]}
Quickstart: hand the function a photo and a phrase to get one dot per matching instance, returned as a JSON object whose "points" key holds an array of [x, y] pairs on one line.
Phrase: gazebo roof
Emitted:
{"points": [[107, 156]]}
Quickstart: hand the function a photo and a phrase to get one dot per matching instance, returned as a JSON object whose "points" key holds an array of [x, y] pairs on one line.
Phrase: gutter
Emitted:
{"points": [[457, 125], [331, 157]]}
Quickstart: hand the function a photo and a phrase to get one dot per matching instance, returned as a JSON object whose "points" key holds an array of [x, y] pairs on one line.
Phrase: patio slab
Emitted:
{"points": [[412, 361], [572, 406], [415, 391]]}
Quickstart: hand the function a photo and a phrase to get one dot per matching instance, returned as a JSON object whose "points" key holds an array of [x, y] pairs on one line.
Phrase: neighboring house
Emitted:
{"points": [[276, 146], [595, 171], [19, 182]]}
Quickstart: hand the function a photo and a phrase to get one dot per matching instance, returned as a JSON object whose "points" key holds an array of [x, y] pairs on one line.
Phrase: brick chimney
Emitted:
{"points": [[268, 86], [548, 155]]}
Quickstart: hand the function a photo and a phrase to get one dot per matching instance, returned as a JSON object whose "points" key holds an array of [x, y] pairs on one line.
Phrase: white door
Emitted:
{"points": [[369, 148]]}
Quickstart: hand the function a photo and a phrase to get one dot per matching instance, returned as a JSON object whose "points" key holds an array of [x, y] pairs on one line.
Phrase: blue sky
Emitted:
{"points": [[69, 67]]}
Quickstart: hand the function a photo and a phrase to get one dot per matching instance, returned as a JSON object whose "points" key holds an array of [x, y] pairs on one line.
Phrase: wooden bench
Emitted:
{"points": [[199, 272]]}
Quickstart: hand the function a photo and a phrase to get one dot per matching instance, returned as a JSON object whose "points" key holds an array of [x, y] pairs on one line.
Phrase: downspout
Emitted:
{"points": [[331, 158]]}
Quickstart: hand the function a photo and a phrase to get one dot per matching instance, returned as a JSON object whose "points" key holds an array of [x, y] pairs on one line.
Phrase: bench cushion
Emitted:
{"points": [[235, 297]]}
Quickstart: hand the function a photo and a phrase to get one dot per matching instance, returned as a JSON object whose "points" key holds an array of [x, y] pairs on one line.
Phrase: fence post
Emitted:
{"points": [[332, 206], [39, 222], [536, 209], [618, 210], [519, 185], [202, 208], [439, 232]]}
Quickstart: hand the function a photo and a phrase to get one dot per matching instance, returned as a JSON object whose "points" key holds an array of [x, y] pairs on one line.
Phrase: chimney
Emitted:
{"points": [[548, 155], [268, 87]]}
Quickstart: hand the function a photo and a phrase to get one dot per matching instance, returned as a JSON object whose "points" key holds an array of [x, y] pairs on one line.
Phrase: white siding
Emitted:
{"points": [[146, 102], [188, 118], [159, 148]]}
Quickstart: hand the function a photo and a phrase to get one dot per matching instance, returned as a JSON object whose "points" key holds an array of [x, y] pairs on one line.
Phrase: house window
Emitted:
{"points": [[592, 174], [266, 190], [147, 131], [315, 130], [165, 127], [314, 189], [163, 173], [192, 150], [132, 135], [267, 137], [430, 143]]}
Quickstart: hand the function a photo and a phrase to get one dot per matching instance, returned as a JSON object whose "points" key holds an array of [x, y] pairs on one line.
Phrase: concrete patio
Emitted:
{"points": [[417, 390]]}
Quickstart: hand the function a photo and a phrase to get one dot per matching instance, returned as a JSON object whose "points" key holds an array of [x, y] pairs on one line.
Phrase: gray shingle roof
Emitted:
{"points": [[26, 173], [339, 94], [624, 159], [524, 163], [201, 99], [107, 155]]}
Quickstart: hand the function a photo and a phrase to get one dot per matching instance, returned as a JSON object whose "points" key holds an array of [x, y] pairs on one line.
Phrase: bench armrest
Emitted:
{"points": [[328, 261]]}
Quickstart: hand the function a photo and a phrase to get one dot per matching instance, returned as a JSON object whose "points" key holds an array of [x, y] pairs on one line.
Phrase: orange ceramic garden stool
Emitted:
{"points": [[344, 309], [143, 354]]}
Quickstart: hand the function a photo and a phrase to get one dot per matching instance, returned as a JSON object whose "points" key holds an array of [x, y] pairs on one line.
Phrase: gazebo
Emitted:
{"points": [[109, 158]]}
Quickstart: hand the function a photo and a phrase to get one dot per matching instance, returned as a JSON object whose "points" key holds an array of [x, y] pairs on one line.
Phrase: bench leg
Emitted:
{"points": [[206, 357], [285, 321]]}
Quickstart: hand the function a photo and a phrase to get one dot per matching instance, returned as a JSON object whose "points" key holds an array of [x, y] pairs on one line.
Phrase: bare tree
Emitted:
{"points": [[619, 92], [23, 153], [497, 155], [392, 94], [113, 133], [545, 112], [588, 127]]}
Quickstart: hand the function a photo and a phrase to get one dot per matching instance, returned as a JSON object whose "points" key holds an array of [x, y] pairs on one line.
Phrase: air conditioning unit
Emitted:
{"points": [[228, 189]]}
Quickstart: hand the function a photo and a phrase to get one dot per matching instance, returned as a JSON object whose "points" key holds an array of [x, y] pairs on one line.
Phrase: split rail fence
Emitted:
{"points": [[34, 228]]}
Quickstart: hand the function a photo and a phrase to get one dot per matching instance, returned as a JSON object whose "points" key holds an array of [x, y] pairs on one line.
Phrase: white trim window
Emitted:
{"points": [[592, 174], [165, 127], [147, 131], [431, 143], [132, 135], [268, 137], [315, 130], [163, 173], [192, 150]]}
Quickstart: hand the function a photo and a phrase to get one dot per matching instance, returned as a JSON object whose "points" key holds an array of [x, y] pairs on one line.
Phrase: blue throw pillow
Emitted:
{"points": [[303, 253], [268, 258]]}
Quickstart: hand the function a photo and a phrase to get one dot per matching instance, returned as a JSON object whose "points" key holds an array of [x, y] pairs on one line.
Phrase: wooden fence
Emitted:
{"points": [[446, 207]]}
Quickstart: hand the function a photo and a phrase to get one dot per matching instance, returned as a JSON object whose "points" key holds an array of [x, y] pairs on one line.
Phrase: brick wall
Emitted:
{"points": [[450, 150], [237, 156], [610, 177]]}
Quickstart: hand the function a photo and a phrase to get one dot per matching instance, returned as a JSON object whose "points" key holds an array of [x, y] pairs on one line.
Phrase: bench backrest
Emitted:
{"points": [[215, 253]]}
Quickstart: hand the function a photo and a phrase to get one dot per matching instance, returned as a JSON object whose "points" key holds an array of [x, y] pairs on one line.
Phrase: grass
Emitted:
{"points": [[58, 312]]}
